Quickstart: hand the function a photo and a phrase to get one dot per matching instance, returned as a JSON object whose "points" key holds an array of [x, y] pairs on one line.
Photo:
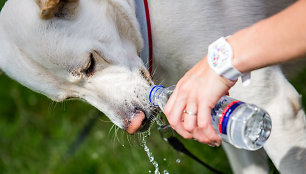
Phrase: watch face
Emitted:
{"points": [[219, 53]]}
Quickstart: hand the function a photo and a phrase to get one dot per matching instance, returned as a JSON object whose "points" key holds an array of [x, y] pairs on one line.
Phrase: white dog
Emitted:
{"points": [[88, 49]]}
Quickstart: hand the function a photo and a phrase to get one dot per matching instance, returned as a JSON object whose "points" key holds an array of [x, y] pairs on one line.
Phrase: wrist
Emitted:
{"points": [[229, 83], [237, 58]]}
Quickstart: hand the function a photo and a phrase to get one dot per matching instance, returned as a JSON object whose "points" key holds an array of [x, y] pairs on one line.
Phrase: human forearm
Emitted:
{"points": [[277, 39]]}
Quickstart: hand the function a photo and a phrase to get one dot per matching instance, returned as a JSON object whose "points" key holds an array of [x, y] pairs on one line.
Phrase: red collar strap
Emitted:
{"points": [[143, 17]]}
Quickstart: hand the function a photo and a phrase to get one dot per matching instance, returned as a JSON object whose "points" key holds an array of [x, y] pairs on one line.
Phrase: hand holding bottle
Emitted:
{"points": [[243, 125], [189, 107]]}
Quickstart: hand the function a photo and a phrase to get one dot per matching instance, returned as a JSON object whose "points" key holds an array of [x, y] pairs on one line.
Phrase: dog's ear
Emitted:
{"points": [[57, 8]]}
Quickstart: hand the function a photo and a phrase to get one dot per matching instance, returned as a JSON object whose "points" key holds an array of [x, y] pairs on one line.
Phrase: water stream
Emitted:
{"points": [[149, 154]]}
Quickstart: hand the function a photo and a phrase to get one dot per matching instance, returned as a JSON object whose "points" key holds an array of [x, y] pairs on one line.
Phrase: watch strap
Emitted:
{"points": [[231, 74]]}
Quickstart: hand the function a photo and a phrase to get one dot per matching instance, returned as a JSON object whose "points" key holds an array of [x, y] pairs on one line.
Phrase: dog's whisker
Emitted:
{"points": [[162, 81], [139, 137], [154, 71], [128, 139], [52, 106], [64, 105], [123, 133], [115, 134], [105, 121], [146, 64], [117, 137], [111, 129]]}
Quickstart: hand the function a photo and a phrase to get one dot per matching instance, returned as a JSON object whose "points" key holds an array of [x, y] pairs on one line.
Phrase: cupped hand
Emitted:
{"points": [[189, 108]]}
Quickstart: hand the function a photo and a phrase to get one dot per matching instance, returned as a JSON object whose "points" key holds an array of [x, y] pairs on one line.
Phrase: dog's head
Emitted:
{"points": [[79, 49]]}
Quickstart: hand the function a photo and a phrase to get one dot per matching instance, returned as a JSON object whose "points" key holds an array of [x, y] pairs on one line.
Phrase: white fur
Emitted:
{"points": [[47, 56]]}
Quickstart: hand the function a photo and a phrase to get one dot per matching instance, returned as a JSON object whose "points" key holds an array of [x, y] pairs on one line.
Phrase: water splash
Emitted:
{"points": [[159, 120], [150, 155]]}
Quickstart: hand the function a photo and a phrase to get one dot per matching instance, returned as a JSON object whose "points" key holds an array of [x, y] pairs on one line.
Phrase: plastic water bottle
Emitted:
{"points": [[243, 125]]}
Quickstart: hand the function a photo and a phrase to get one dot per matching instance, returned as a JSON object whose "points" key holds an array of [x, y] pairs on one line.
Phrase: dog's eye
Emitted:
{"points": [[90, 66], [96, 63]]}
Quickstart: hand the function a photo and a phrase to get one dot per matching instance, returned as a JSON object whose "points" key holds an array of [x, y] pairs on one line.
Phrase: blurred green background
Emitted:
{"points": [[38, 135]]}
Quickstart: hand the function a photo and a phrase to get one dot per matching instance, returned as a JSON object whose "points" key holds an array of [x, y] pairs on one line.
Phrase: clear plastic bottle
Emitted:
{"points": [[243, 125]]}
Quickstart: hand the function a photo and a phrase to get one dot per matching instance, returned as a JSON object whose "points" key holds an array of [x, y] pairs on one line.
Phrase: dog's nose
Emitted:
{"points": [[135, 122]]}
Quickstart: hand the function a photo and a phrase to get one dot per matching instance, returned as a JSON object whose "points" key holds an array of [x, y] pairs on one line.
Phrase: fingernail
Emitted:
{"points": [[211, 145], [217, 144]]}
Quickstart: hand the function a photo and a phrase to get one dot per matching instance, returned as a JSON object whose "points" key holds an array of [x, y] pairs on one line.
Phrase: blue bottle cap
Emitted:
{"points": [[153, 91]]}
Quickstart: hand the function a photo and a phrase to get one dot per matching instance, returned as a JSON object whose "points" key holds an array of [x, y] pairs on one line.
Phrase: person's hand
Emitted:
{"points": [[189, 107]]}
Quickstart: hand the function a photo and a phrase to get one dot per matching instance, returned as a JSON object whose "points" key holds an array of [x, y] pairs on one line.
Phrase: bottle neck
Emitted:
{"points": [[155, 91]]}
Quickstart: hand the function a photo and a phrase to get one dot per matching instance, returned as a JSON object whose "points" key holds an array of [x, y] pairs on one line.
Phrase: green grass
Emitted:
{"points": [[36, 136], [2, 3]]}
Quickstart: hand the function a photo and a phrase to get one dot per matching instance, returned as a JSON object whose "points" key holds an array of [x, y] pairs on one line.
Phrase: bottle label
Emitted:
{"points": [[215, 110], [226, 114]]}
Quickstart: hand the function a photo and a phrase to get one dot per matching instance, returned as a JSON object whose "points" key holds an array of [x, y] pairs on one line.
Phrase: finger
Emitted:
{"points": [[175, 117], [190, 120], [174, 114], [171, 101], [175, 109], [181, 131], [199, 135], [204, 123], [173, 97]]}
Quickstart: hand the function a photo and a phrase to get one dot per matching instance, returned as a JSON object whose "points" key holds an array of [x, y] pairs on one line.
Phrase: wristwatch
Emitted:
{"points": [[220, 56]]}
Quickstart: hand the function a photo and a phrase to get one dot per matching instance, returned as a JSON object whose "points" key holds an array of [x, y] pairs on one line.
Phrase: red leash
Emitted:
{"points": [[149, 37]]}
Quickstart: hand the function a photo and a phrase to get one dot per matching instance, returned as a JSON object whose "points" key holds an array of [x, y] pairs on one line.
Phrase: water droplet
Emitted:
{"points": [[151, 158], [178, 161], [159, 121], [166, 172], [149, 171], [165, 159]]}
